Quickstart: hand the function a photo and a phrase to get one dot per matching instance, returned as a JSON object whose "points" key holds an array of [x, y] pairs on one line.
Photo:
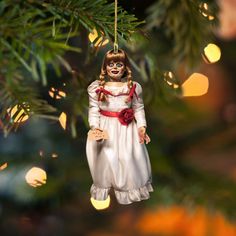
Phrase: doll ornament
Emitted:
{"points": [[115, 148]]}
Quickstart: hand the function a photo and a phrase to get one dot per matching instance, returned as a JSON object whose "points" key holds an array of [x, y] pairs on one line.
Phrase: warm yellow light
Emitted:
{"points": [[212, 53], [100, 205], [205, 6], [170, 79], [4, 166], [36, 177], [175, 86], [62, 120], [170, 74], [204, 10], [56, 93], [99, 42], [41, 153], [54, 155], [204, 14], [18, 114], [211, 17], [196, 85], [168, 82]]}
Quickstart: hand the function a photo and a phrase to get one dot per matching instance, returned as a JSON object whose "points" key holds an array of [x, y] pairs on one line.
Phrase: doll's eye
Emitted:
{"points": [[111, 64], [119, 64]]}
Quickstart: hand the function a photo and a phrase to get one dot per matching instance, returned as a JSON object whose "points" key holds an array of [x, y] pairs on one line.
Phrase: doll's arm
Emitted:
{"points": [[93, 112], [138, 107], [139, 114]]}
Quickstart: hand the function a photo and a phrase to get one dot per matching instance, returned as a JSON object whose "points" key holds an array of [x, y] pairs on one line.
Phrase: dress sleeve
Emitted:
{"points": [[93, 112], [138, 107]]}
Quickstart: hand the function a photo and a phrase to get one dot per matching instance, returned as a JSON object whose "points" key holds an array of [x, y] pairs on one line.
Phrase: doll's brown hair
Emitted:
{"points": [[115, 57]]}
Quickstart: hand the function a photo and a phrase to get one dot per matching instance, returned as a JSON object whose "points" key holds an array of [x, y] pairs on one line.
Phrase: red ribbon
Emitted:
{"points": [[125, 116], [132, 92]]}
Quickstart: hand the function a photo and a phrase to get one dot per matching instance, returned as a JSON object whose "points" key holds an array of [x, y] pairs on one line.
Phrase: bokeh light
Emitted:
{"points": [[36, 177], [56, 93], [54, 155], [100, 205], [18, 113], [170, 79], [93, 38], [3, 166], [204, 10], [178, 220], [212, 53], [63, 119], [196, 85]]}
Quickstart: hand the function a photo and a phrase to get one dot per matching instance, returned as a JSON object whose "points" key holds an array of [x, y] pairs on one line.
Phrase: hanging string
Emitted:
{"points": [[116, 47]]}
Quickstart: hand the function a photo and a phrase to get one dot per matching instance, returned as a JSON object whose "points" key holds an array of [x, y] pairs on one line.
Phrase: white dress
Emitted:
{"points": [[120, 162]]}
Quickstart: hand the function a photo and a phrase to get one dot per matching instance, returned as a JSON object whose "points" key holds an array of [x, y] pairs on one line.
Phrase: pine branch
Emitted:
{"points": [[95, 14], [22, 94], [186, 29], [35, 34]]}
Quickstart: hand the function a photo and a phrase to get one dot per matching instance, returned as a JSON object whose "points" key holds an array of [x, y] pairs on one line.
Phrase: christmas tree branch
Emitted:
{"points": [[35, 34], [187, 26]]}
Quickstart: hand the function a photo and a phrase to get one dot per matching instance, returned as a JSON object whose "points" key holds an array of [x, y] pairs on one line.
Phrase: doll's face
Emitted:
{"points": [[115, 70]]}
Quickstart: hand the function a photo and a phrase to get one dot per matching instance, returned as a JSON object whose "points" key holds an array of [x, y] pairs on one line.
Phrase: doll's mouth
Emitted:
{"points": [[115, 72]]}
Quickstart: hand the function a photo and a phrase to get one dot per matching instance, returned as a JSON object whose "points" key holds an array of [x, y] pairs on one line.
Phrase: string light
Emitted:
{"points": [[18, 113], [196, 85], [54, 155], [100, 205], [93, 38], [204, 10], [36, 177], [170, 79], [41, 153], [212, 53], [63, 119], [4, 166], [56, 93]]}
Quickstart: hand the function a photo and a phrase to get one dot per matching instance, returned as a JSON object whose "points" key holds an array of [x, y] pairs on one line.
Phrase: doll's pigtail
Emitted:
{"points": [[129, 82], [102, 82], [128, 70], [129, 77]]}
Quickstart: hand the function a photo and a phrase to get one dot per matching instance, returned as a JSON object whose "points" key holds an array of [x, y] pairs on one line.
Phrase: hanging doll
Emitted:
{"points": [[119, 161]]}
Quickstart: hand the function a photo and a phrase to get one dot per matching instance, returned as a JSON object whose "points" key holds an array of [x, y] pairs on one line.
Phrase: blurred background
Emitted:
{"points": [[184, 57]]}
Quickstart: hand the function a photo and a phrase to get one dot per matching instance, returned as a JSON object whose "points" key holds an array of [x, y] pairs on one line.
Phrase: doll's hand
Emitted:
{"points": [[97, 134], [143, 136]]}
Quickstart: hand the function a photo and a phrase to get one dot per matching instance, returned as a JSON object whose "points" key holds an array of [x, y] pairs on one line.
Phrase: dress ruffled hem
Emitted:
{"points": [[99, 194], [123, 197]]}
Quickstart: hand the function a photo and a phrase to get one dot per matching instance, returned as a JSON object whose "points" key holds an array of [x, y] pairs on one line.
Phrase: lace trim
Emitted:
{"points": [[123, 197]]}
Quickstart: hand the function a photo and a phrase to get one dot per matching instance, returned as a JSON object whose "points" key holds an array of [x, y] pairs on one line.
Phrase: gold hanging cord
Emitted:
{"points": [[116, 47]]}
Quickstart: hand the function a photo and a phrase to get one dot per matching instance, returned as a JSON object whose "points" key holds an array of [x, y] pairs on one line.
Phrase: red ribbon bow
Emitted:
{"points": [[126, 116]]}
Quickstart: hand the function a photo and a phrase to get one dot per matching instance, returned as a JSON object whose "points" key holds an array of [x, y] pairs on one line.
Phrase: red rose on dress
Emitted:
{"points": [[126, 116]]}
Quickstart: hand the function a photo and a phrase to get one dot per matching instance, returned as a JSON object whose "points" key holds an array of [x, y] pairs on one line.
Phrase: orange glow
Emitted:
{"points": [[54, 155], [18, 114], [204, 10], [196, 85], [170, 79], [100, 205], [36, 177], [177, 220], [56, 93], [99, 42], [62, 120], [4, 166]]}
